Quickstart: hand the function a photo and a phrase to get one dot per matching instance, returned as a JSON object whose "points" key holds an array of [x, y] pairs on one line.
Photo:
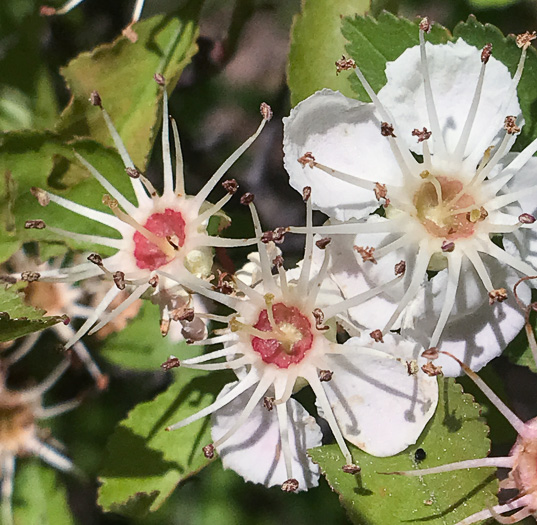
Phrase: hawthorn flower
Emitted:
{"points": [[277, 341], [57, 299], [165, 232], [431, 151], [71, 4], [19, 433], [521, 461]]}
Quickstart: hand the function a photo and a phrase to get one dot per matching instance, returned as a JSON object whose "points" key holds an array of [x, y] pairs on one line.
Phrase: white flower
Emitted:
{"points": [[166, 232], [276, 342], [71, 4], [448, 117], [19, 432]]}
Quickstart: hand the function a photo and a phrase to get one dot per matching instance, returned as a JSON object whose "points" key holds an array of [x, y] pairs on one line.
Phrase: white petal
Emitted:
{"points": [[343, 134], [254, 451], [380, 407], [454, 70]]}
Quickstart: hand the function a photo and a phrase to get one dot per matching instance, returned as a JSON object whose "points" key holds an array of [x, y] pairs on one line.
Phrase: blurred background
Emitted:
{"points": [[241, 62]]}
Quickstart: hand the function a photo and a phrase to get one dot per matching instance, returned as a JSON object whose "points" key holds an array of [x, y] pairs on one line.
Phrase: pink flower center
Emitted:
{"points": [[437, 208], [169, 224], [292, 336]]}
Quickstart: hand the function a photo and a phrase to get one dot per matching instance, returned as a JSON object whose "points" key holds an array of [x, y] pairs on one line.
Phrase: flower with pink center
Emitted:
{"points": [[281, 338], [71, 4], [432, 151], [19, 437], [165, 232]]}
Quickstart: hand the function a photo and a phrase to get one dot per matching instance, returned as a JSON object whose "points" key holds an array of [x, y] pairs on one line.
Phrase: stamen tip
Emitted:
{"points": [[46, 10], [247, 199], [425, 25], [95, 99], [41, 195], [159, 79], [344, 64], [290, 485], [486, 52], [266, 111], [208, 451], [36, 224], [171, 362], [351, 469]]}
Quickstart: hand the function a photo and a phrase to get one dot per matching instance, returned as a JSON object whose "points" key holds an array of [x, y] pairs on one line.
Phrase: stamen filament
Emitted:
{"points": [[93, 239], [166, 156], [505, 462], [179, 174]]}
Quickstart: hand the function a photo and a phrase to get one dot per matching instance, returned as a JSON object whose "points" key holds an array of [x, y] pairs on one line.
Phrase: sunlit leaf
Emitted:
{"points": [[455, 433]]}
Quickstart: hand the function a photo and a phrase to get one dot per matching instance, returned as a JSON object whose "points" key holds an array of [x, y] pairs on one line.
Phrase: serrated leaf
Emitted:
{"points": [[373, 42], [140, 346], [42, 159], [122, 73], [506, 50], [162, 459], [455, 433], [18, 319], [316, 43], [39, 497]]}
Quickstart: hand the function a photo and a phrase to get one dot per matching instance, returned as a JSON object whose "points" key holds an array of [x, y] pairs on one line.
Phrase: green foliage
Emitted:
{"points": [[141, 346], [39, 497], [506, 50], [145, 463], [484, 4], [17, 318], [455, 433], [373, 42], [122, 73], [316, 43]]}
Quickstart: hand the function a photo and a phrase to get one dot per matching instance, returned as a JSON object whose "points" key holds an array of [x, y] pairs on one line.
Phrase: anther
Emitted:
{"points": [[412, 367], [95, 258], [30, 277], [499, 295], [247, 198], [291, 485], [306, 193], [351, 469], [510, 125], [279, 234], [165, 327], [268, 403], [447, 246], [46, 10], [319, 319], [307, 160], [37, 224], [486, 52], [422, 135], [267, 237], [424, 174], [277, 262], [170, 363], [526, 218], [41, 195], [431, 353], [110, 201], [524, 40], [231, 186], [224, 286], [208, 451], [400, 268], [367, 253], [133, 173], [266, 111], [376, 335], [154, 281], [386, 130], [325, 375], [432, 370], [119, 279], [344, 64], [323, 243], [95, 99], [159, 79], [425, 25], [381, 192], [183, 314]]}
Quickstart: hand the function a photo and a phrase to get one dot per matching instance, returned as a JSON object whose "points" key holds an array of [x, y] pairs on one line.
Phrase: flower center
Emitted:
{"points": [[292, 335], [169, 225], [444, 209]]}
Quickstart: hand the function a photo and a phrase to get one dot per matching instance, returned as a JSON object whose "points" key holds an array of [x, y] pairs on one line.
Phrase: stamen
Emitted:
{"points": [[179, 173], [506, 258], [50, 455], [226, 365], [93, 239], [303, 280], [215, 208], [166, 155], [352, 228], [506, 462], [281, 411], [217, 354], [62, 10]]}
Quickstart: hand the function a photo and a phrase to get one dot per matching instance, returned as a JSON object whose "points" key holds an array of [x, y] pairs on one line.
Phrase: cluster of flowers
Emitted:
{"points": [[430, 227]]}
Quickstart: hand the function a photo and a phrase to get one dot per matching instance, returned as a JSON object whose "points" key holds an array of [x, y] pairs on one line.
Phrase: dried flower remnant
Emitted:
{"points": [[161, 232], [277, 343], [442, 211], [521, 461], [20, 410], [46, 10]]}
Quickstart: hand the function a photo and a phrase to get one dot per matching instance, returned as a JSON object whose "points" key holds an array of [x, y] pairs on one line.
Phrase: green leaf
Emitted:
{"points": [[316, 43], [145, 463], [455, 433], [140, 346], [17, 318], [39, 497], [519, 352], [373, 42], [487, 4], [506, 50], [42, 159], [122, 73]]}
